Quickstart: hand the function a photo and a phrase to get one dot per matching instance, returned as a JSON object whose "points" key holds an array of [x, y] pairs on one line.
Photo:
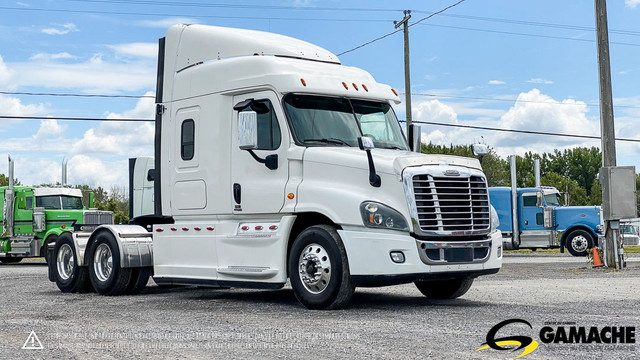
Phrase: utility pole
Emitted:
{"points": [[407, 78], [606, 122]]}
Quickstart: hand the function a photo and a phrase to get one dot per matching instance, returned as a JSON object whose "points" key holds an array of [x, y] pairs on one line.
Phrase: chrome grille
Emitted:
{"points": [[451, 204], [97, 217]]}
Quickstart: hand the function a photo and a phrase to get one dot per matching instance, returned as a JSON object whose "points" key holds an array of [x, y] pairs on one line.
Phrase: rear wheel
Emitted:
{"points": [[139, 280], [444, 289], [319, 270], [69, 277], [107, 277], [578, 242]]}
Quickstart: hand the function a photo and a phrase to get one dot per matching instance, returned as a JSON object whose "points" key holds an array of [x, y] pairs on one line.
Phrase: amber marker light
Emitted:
{"points": [[304, 83], [345, 85], [355, 86], [365, 87], [290, 196], [394, 92]]}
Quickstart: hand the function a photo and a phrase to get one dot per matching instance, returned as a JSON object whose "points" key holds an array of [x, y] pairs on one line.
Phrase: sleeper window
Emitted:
{"points": [[187, 139]]}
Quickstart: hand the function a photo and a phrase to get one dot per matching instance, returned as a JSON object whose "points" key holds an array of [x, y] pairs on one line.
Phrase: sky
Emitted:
{"points": [[524, 65]]}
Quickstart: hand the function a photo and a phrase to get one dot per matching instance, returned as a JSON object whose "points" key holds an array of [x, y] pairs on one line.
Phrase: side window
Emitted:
{"points": [[187, 136], [268, 127], [529, 200], [29, 202]]}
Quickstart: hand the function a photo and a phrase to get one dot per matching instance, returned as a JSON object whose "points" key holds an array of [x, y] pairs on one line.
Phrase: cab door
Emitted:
{"points": [[256, 188]]}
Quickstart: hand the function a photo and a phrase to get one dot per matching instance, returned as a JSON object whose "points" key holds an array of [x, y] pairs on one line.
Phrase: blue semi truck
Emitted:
{"points": [[542, 222]]}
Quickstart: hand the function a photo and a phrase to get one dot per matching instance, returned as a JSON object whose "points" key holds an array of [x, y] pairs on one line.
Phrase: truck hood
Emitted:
{"points": [[386, 161]]}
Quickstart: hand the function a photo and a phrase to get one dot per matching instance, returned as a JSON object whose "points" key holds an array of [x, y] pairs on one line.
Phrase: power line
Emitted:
{"points": [[189, 15], [11, 117], [531, 132], [78, 95], [519, 100], [526, 34], [396, 31]]}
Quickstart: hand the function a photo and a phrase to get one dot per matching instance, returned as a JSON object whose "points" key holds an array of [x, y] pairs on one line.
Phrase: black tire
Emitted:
{"points": [[444, 289], [43, 249], [578, 242], [10, 260], [107, 279], [69, 277], [329, 290], [139, 280]]}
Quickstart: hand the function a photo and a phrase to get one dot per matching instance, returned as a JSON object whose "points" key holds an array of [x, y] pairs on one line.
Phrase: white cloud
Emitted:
{"points": [[631, 3], [14, 107], [167, 22], [148, 50], [48, 129], [61, 29], [121, 138], [93, 75], [50, 57], [93, 171], [496, 82], [540, 81]]}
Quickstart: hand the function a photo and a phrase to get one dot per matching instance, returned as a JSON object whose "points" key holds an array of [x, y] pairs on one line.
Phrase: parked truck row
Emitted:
{"points": [[33, 217], [275, 162]]}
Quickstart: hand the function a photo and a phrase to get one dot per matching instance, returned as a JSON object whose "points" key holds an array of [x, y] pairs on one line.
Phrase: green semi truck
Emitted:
{"points": [[33, 217]]}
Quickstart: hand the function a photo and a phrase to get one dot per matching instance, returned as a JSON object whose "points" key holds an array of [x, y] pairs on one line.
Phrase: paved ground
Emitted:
{"points": [[392, 322]]}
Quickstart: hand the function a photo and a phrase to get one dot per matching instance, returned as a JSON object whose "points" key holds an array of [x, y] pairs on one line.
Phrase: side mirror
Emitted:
{"points": [[539, 199], [480, 149], [414, 136], [248, 130], [365, 143]]}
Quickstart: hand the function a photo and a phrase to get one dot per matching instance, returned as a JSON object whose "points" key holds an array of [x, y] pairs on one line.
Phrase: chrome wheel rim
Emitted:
{"points": [[579, 243], [314, 268], [65, 262], [103, 262]]}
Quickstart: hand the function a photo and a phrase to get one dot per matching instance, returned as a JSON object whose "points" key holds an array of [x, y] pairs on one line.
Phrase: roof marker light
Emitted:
{"points": [[355, 86], [365, 87], [345, 85], [394, 92], [304, 83]]}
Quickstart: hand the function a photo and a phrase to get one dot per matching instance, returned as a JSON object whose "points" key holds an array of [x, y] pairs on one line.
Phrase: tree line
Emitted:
{"points": [[574, 172]]}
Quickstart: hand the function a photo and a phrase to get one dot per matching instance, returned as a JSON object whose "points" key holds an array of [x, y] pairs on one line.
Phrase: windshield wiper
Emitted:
{"points": [[330, 140]]}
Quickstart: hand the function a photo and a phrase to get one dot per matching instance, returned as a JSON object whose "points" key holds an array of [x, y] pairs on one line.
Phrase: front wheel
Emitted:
{"points": [[107, 277], [578, 242], [319, 269], [444, 289]]}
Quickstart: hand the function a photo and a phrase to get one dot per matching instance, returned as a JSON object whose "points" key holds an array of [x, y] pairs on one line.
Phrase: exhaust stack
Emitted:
{"points": [[514, 204], [536, 171], [64, 172], [9, 200]]}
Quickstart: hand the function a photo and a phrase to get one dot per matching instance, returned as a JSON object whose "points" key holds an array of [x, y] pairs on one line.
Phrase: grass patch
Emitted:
{"points": [[632, 249]]}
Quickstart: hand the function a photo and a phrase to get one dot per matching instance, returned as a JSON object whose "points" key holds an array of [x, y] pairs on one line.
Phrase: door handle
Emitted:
{"points": [[237, 193]]}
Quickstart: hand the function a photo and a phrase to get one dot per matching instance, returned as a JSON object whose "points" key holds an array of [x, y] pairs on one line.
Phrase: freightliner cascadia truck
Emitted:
{"points": [[33, 217], [273, 161]]}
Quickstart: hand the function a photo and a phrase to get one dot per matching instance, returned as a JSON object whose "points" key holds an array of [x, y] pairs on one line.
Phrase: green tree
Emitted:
{"points": [[576, 194], [4, 180]]}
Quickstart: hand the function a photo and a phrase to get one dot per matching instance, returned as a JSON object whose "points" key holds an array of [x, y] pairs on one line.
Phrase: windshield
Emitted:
{"points": [[627, 229], [331, 121], [57, 202], [552, 199]]}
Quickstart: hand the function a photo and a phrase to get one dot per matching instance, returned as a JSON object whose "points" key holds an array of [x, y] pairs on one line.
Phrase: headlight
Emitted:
{"points": [[495, 222], [376, 215]]}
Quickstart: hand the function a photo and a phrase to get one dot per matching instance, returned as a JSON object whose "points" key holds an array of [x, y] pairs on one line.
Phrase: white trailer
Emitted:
{"points": [[273, 161]]}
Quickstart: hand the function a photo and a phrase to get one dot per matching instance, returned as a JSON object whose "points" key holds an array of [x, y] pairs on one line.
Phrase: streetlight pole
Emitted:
{"points": [[407, 78]]}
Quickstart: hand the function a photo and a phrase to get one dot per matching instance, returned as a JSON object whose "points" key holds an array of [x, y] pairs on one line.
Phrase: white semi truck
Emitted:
{"points": [[273, 161]]}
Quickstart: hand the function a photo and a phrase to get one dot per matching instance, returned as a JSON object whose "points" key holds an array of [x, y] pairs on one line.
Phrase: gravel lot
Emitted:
{"points": [[391, 322]]}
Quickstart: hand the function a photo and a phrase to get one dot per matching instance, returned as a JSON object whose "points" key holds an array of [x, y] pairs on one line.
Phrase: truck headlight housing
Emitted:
{"points": [[495, 221], [376, 215]]}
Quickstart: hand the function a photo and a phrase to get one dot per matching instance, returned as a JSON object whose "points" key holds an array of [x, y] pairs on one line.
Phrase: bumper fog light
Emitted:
{"points": [[397, 257]]}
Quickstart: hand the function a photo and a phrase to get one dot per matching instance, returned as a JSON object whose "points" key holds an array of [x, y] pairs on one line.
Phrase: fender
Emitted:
{"points": [[54, 231], [135, 244], [568, 231]]}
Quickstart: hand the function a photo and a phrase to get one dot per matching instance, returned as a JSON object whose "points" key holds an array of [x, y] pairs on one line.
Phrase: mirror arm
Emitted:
{"points": [[374, 179], [271, 161]]}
